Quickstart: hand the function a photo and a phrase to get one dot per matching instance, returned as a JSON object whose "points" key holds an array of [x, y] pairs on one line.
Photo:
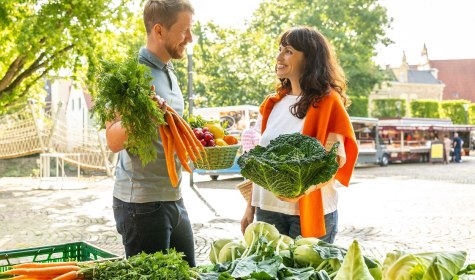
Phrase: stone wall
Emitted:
{"points": [[20, 167]]}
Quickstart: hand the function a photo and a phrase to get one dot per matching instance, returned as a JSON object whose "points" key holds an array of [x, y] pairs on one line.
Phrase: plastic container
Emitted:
{"points": [[76, 251]]}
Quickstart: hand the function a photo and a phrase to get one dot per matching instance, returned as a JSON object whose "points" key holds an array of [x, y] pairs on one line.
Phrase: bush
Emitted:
{"points": [[386, 108], [425, 109], [453, 109], [359, 106]]}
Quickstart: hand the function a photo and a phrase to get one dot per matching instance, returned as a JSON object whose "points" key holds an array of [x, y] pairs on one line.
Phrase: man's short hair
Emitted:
{"points": [[164, 12]]}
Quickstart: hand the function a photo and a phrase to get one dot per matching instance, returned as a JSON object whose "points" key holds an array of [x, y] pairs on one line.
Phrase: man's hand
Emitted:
{"points": [[161, 103]]}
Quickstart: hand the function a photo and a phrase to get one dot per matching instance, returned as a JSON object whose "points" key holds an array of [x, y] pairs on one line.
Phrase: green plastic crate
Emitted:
{"points": [[76, 251]]}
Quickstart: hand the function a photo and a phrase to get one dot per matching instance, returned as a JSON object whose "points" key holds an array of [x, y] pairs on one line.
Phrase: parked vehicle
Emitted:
{"points": [[371, 148], [410, 139]]}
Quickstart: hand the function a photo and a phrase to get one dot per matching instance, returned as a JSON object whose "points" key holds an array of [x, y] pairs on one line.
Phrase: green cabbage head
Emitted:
{"points": [[289, 165]]}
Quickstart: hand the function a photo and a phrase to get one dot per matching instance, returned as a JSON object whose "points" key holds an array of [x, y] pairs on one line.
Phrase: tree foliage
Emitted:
{"points": [[454, 110], [236, 66], [228, 67], [424, 108], [359, 106], [43, 38], [232, 66], [389, 108]]}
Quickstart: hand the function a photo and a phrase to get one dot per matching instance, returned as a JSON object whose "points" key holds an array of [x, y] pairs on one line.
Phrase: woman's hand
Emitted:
{"points": [[290, 200], [248, 217], [308, 191]]}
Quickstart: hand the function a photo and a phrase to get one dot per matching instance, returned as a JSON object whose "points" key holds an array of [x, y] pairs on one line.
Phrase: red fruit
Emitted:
{"points": [[205, 129], [203, 142], [211, 143], [208, 136], [196, 129], [199, 134]]}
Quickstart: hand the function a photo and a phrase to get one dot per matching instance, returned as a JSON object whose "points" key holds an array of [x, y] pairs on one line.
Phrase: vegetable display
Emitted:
{"points": [[262, 255], [272, 256], [55, 271], [169, 265], [289, 165]]}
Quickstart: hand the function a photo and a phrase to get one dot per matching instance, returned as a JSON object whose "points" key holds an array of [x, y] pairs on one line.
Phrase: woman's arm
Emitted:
{"points": [[248, 217]]}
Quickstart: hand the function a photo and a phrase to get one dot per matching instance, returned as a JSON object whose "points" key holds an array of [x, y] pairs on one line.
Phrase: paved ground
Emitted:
{"points": [[415, 207]]}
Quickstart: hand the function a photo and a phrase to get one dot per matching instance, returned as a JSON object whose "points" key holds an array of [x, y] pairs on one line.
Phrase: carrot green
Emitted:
{"points": [[124, 88]]}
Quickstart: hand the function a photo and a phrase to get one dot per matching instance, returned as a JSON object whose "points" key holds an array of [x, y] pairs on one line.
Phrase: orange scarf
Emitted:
{"points": [[329, 116]]}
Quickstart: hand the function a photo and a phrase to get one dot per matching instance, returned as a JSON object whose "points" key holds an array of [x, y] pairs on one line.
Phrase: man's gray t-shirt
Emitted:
{"points": [[138, 184]]}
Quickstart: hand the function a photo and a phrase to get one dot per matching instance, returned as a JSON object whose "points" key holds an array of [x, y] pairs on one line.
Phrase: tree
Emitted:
{"points": [[228, 71], [389, 108], [42, 38], [424, 109], [354, 27], [236, 66]]}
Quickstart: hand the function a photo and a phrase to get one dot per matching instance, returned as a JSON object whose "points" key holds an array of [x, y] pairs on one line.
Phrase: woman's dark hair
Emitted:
{"points": [[321, 71]]}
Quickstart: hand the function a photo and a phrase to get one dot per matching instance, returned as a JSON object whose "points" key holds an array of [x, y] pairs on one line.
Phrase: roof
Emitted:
{"points": [[422, 124], [364, 120], [458, 75], [421, 77]]}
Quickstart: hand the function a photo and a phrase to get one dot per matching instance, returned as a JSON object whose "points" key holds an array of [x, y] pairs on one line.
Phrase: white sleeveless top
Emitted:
{"points": [[281, 121]]}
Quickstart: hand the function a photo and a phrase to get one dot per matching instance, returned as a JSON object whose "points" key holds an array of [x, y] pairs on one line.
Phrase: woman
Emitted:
{"points": [[310, 99]]}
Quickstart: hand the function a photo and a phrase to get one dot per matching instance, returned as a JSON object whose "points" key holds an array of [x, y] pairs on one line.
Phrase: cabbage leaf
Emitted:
{"points": [[289, 165], [424, 266]]}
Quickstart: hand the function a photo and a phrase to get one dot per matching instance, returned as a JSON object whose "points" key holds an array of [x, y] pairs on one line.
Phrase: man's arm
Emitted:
{"points": [[115, 135]]}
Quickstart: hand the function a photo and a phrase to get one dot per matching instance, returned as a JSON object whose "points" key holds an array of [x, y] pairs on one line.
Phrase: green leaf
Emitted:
{"points": [[354, 267], [415, 266], [289, 165], [124, 89]]}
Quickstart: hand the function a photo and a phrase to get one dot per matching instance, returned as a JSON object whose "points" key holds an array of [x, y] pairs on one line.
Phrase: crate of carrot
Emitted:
{"points": [[50, 262]]}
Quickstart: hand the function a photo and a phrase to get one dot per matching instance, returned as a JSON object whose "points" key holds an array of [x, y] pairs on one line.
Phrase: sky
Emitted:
{"points": [[447, 27]]}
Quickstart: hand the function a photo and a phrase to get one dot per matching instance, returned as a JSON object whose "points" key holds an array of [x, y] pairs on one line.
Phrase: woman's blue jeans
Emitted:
{"points": [[290, 224], [154, 226]]}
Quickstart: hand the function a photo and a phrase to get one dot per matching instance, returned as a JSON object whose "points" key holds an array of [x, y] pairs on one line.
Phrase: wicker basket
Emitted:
{"points": [[245, 188], [218, 157]]}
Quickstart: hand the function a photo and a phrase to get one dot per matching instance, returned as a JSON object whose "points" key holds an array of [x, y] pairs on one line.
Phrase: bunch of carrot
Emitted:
{"points": [[45, 271], [178, 137]]}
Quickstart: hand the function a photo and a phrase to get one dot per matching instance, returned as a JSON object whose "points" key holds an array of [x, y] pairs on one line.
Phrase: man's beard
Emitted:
{"points": [[175, 53]]}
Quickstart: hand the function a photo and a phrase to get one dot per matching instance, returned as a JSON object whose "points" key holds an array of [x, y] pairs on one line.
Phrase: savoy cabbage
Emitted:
{"points": [[289, 165]]}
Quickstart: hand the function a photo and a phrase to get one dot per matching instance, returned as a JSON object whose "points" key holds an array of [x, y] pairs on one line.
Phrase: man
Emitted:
{"points": [[457, 143], [250, 137], [447, 148], [150, 213]]}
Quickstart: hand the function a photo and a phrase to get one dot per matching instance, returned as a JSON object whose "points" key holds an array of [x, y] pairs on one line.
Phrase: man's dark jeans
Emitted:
{"points": [[154, 226], [290, 224]]}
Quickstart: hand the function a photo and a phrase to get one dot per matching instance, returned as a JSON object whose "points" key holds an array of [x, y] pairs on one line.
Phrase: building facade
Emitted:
{"points": [[411, 82]]}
